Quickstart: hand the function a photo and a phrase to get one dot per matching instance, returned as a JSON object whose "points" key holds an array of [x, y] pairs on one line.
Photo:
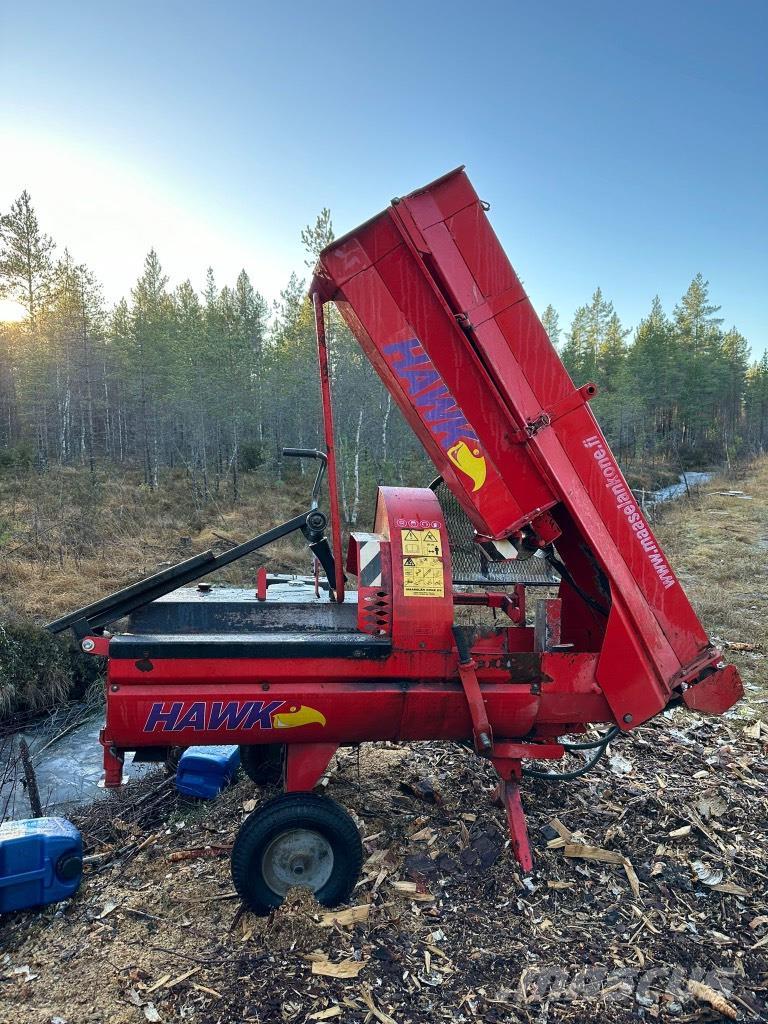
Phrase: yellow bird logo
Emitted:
{"points": [[470, 462], [297, 716]]}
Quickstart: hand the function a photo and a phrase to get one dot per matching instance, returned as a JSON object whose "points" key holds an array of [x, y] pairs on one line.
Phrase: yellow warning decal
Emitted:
{"points": [[421, 542], [422, 576]]}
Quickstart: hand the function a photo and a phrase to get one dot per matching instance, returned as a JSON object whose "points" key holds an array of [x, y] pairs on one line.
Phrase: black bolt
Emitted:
{"points": [[316, 520]]}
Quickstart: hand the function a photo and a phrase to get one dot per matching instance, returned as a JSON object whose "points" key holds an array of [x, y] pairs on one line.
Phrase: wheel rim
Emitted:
{"points": [[299, 856]]}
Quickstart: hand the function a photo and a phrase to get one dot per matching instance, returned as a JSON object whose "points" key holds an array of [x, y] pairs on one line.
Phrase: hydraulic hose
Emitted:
{"points": [[605, 738], [598, 745], [565, 575], [534, 773]]}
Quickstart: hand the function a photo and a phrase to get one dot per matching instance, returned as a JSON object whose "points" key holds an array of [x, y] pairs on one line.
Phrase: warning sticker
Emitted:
{"points": [[421, 542], [423, 576]]}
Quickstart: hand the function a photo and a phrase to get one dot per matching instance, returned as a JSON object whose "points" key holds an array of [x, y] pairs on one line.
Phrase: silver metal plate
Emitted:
{"points": [[299, 856]]}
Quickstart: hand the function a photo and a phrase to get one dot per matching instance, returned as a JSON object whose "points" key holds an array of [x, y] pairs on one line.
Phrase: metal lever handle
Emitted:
{"points": [[310, 453], [305, 453]]}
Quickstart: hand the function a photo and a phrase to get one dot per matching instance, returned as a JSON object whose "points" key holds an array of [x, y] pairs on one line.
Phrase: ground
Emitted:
{"points": [[647, 900], [447, 929], [718, 544]]}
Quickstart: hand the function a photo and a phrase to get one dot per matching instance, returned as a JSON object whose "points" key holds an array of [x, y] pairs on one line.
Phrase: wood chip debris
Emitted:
{"points": [[411, 889], [182, 977], [158, 984], [367, 997], [200, 853], [347, 968], [346, 918], [731, 888], [680, 833], [208, 991], [442, 924], [717, 1001], [596, 853]]}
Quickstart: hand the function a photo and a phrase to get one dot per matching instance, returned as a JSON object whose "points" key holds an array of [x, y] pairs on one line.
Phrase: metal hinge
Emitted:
{"points": [[532, 427]]}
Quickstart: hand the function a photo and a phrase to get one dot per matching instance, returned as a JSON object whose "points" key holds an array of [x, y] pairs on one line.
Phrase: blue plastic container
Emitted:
{"points": [[41, 861], [204, 771]]}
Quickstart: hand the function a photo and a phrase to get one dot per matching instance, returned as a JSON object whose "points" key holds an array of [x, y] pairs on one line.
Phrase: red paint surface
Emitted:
{"points": [[439, 311], [430, 268]]}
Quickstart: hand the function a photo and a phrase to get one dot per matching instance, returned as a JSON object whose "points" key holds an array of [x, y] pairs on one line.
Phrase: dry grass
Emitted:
{"points": [[718, 545], [66, 540]]}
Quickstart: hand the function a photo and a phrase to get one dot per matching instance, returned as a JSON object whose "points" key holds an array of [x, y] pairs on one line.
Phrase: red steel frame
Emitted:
{"points": [[433, 301], [330, 443]]}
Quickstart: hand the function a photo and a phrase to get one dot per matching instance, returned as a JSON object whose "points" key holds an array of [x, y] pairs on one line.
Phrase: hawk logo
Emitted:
{"points": [[437, 407], [204, 716]]}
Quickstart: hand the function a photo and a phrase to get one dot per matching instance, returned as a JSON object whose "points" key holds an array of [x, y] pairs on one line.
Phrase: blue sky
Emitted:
{"points": [[619, 144]]}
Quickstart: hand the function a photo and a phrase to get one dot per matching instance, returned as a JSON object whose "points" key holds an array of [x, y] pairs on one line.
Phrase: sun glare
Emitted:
{"points": [[11, 312]]}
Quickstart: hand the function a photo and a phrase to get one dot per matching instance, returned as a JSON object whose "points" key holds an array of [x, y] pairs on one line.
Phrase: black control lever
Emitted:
{"points": [[93, 617], [314, 531], [310, 453]]}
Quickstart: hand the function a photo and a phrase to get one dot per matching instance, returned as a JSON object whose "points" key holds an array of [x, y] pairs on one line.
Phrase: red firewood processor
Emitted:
{"points": [[530, 507]]}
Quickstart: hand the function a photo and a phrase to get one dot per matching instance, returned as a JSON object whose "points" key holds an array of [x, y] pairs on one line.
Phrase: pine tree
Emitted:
{"points": [[251, 326], [735, 358], [594, 348], [150, 339], [550, 321], [193, 384], [73, 328], [653, 379], [756, 405], [698, 336], [9, 411], [576, 350], [315, 237], [25, 256], [611, 354]]}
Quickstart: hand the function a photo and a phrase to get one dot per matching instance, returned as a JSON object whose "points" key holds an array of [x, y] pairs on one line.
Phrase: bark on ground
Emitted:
{"points": [[448, 928]]}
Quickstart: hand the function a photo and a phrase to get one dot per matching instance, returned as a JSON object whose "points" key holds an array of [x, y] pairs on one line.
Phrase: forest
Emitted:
{"points": [[212, 385]]}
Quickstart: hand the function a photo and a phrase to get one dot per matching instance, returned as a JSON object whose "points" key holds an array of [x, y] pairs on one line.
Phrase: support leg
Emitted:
{"points": [[305, 764], [507, 759], [518, 830], [508, 763], [113, 764]]}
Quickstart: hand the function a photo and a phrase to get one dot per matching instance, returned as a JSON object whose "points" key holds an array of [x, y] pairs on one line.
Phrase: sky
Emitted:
{"points": [[620, 145]]}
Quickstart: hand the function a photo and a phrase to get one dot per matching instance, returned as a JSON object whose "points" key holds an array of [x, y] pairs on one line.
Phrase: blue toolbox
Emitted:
{"points": [[204, 771], [41, 861]]}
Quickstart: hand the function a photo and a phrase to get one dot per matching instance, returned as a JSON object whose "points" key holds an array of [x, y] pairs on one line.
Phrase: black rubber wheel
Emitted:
{"points": [[296, 839], [263, 762]]}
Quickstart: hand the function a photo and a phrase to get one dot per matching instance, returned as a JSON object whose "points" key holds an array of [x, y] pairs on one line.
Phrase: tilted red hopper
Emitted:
{"points": [[435, 304], [529, 497]]}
